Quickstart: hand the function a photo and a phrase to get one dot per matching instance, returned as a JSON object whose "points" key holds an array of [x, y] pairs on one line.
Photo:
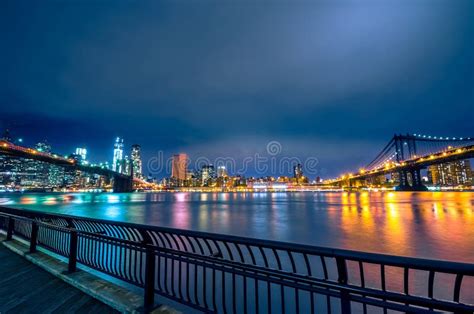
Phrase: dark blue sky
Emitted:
{"points": [[328, 79]]}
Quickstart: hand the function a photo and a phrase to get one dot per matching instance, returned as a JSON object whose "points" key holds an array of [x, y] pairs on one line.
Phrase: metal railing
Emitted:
{"points": [[228, 274]]}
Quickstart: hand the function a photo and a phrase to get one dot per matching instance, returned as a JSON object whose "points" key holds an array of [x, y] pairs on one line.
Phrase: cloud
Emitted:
{"points": [[177, 76]]}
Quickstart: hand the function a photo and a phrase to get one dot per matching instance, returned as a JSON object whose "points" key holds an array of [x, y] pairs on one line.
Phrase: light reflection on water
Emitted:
{"points": [[434, 225]]}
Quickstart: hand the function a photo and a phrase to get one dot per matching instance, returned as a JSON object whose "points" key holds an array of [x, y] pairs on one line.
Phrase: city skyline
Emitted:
{"points": [[400, 164], [180, 166]]}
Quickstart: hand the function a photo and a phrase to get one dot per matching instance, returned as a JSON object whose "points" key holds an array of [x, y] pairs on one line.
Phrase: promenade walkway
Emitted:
{"points": [[26, 288]]}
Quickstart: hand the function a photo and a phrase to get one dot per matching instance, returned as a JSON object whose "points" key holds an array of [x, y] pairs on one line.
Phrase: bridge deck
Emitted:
{"points": [[26, 288]]}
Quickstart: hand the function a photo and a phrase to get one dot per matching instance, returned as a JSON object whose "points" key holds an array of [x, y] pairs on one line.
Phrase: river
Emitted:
{"points": [[425, 224]]}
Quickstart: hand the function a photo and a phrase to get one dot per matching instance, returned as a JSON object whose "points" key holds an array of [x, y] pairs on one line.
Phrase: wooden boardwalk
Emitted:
{"points": [[26, 288]]}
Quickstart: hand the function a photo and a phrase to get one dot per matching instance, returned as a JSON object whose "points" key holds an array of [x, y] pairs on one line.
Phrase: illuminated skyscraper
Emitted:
{"points": [[136, 161], [298, 171], [221, 172], [82, 154], [126, 166], [117, 163], [207, 175], [179, 167]]}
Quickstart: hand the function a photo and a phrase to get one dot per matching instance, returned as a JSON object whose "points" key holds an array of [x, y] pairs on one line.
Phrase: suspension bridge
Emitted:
{"points": [[406, 155], [121, 182]]}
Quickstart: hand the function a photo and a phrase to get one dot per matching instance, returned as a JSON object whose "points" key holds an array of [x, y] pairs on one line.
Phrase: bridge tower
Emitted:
{"points": [[405, 148], [400, 156]]}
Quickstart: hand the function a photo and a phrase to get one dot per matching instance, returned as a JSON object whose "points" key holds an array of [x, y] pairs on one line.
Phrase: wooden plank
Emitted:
{"points": [[26, 288]]}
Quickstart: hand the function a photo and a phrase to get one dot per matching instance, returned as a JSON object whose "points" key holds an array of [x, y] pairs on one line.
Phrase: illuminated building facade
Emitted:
{"points": [[82, 154], [208, 175], [451, 173], [136, 161], [298, 172], [179, 165], [126, 166], [221, 172], [31, 174], [117, 162]]}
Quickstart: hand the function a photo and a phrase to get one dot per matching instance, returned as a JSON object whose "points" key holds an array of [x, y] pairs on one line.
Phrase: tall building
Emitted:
{"points": [[117, 163], [179, 167], [82, 154], [451, 173], [298, 171], [221, 171], [136, 161], [208, 175]]}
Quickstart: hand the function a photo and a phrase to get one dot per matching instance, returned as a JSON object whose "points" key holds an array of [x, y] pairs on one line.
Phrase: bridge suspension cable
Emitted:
{"points": [[406, 147]]}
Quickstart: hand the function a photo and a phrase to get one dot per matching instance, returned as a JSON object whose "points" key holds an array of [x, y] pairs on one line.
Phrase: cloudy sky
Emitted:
{"points": [[333, 80]]}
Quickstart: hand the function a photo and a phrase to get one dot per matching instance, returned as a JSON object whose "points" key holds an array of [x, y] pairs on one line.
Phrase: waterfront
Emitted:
{"points": [[429, 224]]}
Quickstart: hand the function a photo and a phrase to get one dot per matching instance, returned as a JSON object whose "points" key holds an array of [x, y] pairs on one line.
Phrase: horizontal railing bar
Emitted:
{"points": [[104, 238], [310, 281]]}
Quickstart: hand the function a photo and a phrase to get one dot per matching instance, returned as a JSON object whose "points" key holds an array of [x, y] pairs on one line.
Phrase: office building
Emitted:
{"points": [[82, 154], [451, 173], [208, 175], [179, 165], [221, 172], [117, 162], [136, 161], [298, 172]]}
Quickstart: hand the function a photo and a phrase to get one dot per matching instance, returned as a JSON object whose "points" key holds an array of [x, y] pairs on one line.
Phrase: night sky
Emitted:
{"points": [[332, 80]]}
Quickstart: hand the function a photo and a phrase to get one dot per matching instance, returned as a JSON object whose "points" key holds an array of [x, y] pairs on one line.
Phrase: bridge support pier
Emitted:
{"points": [[416, 183], [404, 185], [122, 184]]}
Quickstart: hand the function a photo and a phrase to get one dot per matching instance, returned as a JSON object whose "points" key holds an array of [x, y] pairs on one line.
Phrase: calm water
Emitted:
{"points": [[433, 225]]}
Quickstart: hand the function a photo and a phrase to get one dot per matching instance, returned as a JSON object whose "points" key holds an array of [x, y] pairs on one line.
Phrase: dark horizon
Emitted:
{"points": [[333, 81]]}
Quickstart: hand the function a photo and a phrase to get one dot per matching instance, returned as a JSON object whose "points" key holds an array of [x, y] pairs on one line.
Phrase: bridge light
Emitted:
{"points": [[432, 157], [458, 150], [429, 136], [424, 136], [444, 154]]}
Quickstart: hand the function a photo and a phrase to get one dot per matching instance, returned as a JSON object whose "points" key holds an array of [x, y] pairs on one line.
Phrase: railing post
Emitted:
{"points": [[10, 228], [72, 251], [149, 298], [34, 236], [343, 279]]}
